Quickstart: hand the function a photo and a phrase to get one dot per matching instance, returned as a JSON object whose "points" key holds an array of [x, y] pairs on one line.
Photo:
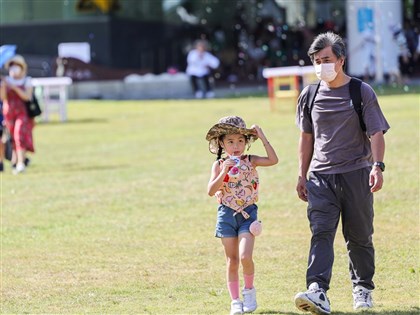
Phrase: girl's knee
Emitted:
{"points": [[246, 260], [232, 263]]}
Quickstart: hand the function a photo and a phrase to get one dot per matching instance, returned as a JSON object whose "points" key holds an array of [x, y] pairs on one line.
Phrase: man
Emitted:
{"points": [[345, 165]]}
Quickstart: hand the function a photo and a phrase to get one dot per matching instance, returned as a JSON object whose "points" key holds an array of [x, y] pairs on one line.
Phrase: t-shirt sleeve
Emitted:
{"points": [[373, 117], [213, 61], [303, 121]]}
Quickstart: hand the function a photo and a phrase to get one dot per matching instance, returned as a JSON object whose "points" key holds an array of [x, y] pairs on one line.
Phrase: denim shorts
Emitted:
{"points": [[230, 225]]}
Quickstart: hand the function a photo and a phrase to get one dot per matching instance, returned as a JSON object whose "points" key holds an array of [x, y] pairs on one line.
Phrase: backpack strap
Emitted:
{"points": [[355, 94], [310, 97], [356, 98]]}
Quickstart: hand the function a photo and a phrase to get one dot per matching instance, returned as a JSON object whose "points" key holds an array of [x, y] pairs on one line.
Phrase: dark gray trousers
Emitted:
{"points": [[330, 195]]}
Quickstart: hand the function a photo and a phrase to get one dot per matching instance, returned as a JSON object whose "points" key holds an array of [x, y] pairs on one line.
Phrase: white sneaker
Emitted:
{"points": [[236, 307], [362, 297], [20, 167], [250, 300], [210, 94], [314, 300], [199, 94]]}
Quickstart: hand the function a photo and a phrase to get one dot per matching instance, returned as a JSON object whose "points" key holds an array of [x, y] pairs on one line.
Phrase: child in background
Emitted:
{"points": [[234, 181]]}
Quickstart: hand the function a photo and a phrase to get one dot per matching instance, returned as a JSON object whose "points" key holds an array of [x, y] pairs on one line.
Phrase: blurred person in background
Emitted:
{"points": [[199, 65], [16, 89], [1, 138]]}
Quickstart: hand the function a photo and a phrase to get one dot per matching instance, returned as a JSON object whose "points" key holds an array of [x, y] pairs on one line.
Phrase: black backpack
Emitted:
{"points": [[355, 94]]}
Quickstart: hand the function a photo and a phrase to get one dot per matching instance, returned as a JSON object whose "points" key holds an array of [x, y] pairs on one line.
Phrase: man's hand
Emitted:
{"points": [[301, 189], [376, 179]]}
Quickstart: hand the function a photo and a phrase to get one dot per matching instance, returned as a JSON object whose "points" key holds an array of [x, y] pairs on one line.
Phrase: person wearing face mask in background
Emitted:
{"points": [[15, 90], [340, 167]]}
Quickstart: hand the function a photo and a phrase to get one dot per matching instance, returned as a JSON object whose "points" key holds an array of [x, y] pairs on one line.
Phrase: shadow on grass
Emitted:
{"points": [[413, 311], [74, 121]]}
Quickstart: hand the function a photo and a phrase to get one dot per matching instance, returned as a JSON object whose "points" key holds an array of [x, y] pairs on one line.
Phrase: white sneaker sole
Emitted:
{"points": [[362, 307], [250, 310], [306, 305]]}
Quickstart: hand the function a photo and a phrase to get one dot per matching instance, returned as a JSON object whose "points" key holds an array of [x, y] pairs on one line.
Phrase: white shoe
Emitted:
{"points": [[250, 300], [199, 94], [314, 300], [20, 167], [210, 94], [362, 297], [236, 307]]}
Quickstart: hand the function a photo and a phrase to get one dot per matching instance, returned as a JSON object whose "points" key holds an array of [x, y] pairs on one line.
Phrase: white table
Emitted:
{"points": [[53, 95]]}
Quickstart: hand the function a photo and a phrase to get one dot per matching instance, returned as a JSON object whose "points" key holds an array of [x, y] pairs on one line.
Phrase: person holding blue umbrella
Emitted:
{"points": [[6, 52], [15, 90]]}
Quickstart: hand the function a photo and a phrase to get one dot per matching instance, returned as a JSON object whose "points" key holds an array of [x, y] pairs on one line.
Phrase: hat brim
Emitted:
{"points": [[18, 61], [227, 129]]}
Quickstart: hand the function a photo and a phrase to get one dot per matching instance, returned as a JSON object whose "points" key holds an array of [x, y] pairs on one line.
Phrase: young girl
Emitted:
{"points": [[234, 182]]}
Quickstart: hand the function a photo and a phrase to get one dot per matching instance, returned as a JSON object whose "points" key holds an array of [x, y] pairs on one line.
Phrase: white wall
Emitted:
{"points": [[384, 14]]}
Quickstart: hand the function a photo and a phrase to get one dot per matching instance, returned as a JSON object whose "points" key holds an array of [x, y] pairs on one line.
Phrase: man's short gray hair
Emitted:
{"points": [[325, 40]]}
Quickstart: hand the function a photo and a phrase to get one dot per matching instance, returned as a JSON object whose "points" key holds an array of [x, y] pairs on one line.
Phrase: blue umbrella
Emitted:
{"points": [[6, 52]]}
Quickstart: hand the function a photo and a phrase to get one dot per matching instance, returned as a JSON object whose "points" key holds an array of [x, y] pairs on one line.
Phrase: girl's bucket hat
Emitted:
{"points": [[227, 126]]}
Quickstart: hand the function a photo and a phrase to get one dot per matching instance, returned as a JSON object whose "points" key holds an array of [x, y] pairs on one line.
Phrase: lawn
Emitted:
{"points": [[113, 216]]}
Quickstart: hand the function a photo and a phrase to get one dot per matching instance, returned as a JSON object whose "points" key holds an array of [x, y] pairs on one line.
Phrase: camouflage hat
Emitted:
{"points": [[226, 126]]}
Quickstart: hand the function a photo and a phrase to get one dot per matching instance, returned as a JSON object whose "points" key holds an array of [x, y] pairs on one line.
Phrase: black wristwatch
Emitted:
{"points": [[381, 165]]}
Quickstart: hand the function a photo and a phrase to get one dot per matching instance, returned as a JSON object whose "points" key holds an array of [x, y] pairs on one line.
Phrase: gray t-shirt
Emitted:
{"points": [[340, 144]]}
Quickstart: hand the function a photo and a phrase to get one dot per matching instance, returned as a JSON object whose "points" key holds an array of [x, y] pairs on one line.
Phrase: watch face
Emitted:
{"points": [[380, 165]]}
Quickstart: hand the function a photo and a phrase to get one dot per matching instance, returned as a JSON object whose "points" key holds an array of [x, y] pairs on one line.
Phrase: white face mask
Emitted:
{"points": [[326, 71], [15, 70]]}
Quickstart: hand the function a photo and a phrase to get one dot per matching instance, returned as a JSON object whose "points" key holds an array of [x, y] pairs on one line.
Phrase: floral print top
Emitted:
{"points": [[241, 190]]}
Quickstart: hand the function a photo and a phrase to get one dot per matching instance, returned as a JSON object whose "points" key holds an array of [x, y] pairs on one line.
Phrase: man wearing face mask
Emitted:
{"points": [[340, 167], [15, 90]]}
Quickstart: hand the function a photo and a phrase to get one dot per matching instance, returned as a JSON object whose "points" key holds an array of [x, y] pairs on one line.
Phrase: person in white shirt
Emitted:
{"points": [[199, 65]]}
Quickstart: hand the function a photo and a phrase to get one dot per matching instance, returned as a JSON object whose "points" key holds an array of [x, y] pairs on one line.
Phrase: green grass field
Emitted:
{"points": [[113, 216]]}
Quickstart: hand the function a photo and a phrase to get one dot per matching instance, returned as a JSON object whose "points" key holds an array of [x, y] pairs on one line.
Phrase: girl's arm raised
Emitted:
{"points": [[271, 158]]}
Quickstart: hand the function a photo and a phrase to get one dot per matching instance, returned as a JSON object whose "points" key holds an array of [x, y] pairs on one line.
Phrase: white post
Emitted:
{"points": [[379, 73]]}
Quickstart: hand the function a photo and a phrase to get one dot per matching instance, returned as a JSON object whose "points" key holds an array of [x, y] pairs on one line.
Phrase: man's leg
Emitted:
{"points": [[323, 215], [357, 218], [194, 83]]}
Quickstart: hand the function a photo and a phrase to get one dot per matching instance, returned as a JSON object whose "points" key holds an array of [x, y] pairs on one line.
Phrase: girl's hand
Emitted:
{"points": [[258, 131], [271, 158], [260, 134], [227, 164]]}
